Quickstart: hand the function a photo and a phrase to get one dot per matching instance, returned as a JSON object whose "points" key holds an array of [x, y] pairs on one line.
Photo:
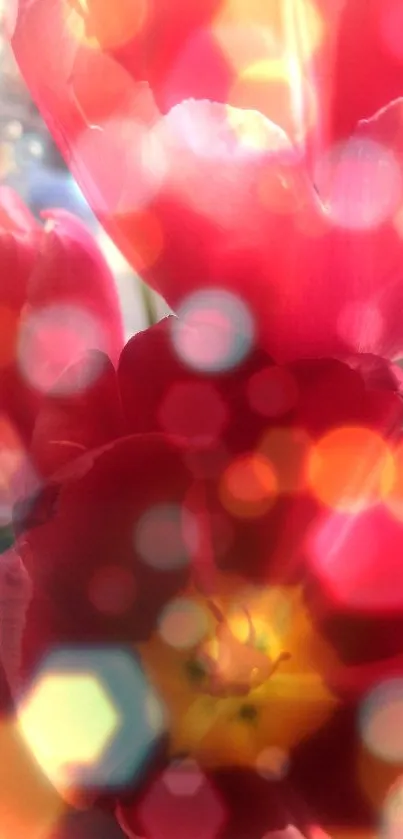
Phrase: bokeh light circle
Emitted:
{"points": [[278, 90], [300, 19], [104, 25], [112, 590], [74, 737], [248, 486], [183, 777], [272, 763], [109, 718], [361, 183], [392, 815], [166, 536], [214, 331], [381, 721], [54, 338], [181, 803], [272, 392], [183, 623], [358, 559], [350, 468]]}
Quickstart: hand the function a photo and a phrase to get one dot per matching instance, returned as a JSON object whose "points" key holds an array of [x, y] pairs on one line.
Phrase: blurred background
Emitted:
{"points": [[31, 164]]}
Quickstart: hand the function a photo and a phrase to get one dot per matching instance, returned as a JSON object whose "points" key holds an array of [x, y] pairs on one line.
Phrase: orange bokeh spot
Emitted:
{"points": [[394, 498], [273, 89], [143, 238], [376, 776], [350, 469], [104, 24], [29, 805], [295, 26], [103, 90], [248, 486], [11, 453]]}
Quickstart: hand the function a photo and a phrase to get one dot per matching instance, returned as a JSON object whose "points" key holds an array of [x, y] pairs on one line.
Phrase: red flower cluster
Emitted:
{"points": [[215, 528]]}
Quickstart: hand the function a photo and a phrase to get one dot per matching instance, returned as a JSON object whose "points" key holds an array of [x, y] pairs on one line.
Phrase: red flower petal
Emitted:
{"points": [[314, 284], [83, 414], [368, 66], [72, 271], [120, 506], [57, 299]]}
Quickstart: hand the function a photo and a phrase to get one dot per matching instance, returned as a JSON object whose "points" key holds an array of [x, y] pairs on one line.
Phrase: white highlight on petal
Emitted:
{"points": [[52, 339], [214, 331], [382, 721], [360, 182], [213, 130]]}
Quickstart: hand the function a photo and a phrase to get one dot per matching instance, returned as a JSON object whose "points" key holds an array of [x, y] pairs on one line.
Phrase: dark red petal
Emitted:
{"points": [[83, 414], [160, 392], [236, 802], [108, 516]]}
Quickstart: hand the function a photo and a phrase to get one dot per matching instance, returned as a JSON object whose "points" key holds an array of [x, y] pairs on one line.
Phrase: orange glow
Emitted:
{"points": [[144, 237], [289, 706], [270, 87], [269, 45], [394, 498], [248, 486], [376, 776], [29, 805], [11, 453], [350, 469], [281, 189], [295, 24], [99, 94], [102, 24]]}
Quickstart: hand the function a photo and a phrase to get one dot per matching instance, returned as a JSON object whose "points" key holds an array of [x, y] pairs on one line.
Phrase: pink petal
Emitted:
{"points": [[57, 300], [72, 271], [207, 214], [236, 211]]}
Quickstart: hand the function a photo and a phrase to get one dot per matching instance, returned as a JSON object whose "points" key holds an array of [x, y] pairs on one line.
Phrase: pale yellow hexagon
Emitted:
{"points": [[67, 720]]}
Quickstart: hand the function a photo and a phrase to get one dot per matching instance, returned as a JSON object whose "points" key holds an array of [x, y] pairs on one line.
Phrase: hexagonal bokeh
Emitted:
{"points": [[91, 718], [182, 803]]}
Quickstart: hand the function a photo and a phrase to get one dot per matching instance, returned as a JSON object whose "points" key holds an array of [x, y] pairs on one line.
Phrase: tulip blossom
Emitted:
{"points": [[232, 541], [57, 301], [214, 546], [55, 287], [295, 207]]}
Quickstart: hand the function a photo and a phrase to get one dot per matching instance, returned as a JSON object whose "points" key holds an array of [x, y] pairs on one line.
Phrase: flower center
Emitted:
{"points": [[226, 666]]}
